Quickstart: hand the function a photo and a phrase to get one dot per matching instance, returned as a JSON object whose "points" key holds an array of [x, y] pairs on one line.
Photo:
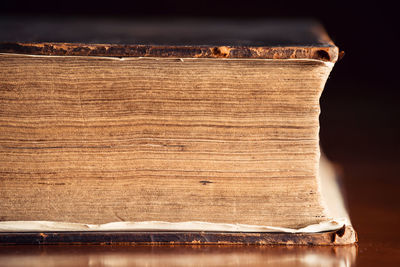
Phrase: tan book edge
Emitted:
{"points": [[336, 221], [339, 228]]}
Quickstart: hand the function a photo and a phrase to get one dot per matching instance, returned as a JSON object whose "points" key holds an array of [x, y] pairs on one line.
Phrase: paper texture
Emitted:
{"points": [[38, 226], [330, 190]]}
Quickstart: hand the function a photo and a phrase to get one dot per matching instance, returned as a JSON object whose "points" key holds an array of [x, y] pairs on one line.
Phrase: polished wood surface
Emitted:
{"points": [[360, 133], [177, 256], [373, 191]]}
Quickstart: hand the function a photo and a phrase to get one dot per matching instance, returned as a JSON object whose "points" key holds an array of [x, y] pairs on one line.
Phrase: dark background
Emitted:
{"points": [[360, 119]]}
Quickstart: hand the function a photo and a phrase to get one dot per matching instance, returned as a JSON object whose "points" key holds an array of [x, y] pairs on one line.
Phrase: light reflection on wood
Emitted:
{"points": [[177, 256]]}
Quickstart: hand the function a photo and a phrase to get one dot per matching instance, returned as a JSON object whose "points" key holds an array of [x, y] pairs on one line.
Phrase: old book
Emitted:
{"points": [[186, 126]]}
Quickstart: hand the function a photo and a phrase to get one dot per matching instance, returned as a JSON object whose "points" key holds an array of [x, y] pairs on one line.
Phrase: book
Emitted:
{"points": [[185, 126]]}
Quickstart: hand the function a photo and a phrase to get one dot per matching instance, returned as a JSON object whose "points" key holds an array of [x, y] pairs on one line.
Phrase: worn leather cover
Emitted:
{"points": [[267, 39], [343, 236]]}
